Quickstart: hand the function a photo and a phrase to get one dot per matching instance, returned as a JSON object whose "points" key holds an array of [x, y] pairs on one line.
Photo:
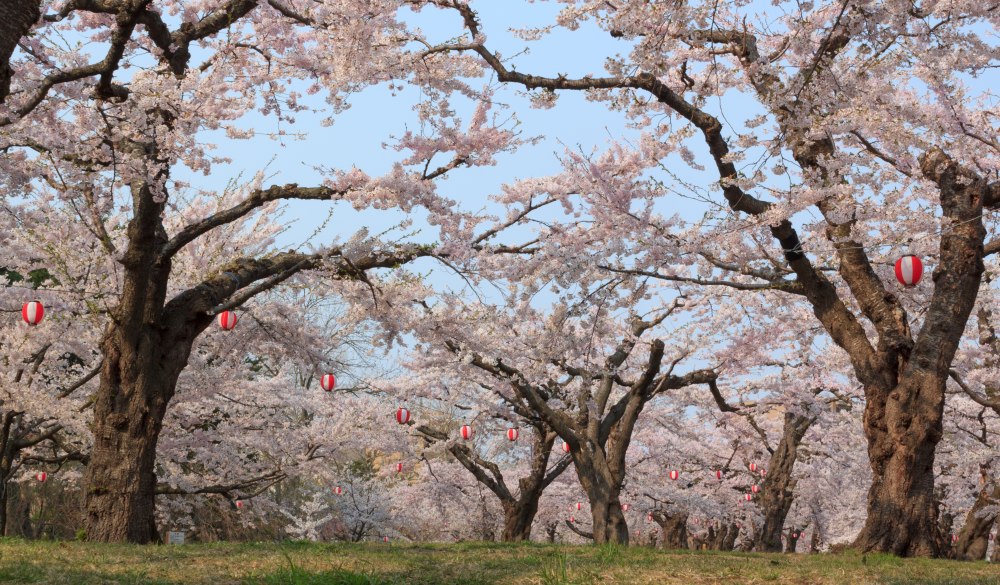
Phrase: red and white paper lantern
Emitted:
{"points": [[32, 312], [755, 489], [748, 497], [328, 382], [466, 432], [402, 416], [239, 503], [753, 467], [579, 506], [338, 490], [718, 474], [625, 507], [512, 434], [41, 476], [909, 269], [227, 320], [565, 447], [399, 467]]}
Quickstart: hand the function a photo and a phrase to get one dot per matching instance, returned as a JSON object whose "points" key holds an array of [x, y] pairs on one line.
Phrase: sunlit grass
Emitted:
{"points": [[464, 563]]}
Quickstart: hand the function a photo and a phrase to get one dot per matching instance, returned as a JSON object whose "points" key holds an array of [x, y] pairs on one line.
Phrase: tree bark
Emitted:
{"points": [[674, 529], [602, 489], [973, 540], [16, 19], [778, 489]]}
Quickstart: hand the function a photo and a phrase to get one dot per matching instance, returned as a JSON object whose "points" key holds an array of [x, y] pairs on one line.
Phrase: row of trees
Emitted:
{"points": [[759, 319]]}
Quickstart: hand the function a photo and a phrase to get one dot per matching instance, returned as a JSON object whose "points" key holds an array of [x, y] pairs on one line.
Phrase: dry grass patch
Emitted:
{"points": [[466, 563]]}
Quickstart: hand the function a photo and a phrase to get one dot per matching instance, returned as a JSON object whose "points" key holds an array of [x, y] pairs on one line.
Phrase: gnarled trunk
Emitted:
{"points": [[732, 533], [903, 427], [973, 540], [778, 488], [518, 517], [674, 529], [602, 489]]}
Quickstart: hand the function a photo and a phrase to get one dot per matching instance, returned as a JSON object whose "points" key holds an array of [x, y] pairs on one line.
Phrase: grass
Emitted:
{"points": [[465, 563]]}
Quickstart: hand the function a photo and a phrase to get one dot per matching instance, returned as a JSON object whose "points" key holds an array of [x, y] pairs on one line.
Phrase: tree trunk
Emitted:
{"points": [[137, 381], [903, 428], [779, 488], [973, 540], [597, 480], [518, 517], [732, 533], [674, 528], [16, 19]]}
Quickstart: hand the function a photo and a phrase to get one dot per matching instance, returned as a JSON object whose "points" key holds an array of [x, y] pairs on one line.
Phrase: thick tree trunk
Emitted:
{"points": [[16, 19], [973, 540], [903, 428], [597, 480], [518, 517], [779, 488], [674, 529], [137, 381]]}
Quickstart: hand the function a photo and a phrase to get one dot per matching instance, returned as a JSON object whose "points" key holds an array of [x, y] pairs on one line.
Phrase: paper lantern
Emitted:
{"points": [[328, 382], [512, 434], [41, 476], [565, 447], [227, 320], [748, 497], [239, 503], [399, 467], [755, 489], [909, 269], [753, 467], [337, 490], [579, 506], [466, 432], [649, 516], [572, 519], [32, 312], [625, 507], [385, 539], [402, 416], [674, 474], [718, 474]]}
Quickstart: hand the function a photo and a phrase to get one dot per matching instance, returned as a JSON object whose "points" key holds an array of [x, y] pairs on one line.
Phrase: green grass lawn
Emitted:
{"points": [[466, 563]]}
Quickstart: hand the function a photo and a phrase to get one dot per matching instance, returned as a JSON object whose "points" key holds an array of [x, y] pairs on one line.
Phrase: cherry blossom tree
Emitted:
{"points": [[887, 148]]}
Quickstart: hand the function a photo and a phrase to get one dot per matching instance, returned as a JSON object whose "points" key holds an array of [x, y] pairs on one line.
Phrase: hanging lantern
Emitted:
{"points": [[718, 474], [649, 516], [954, 538], [796, 534], [337, 490], [674, 474], [41, 476], [402, 416], [579, 506], [227, 320], [399, 467], [748, 497], [512, 434], [763, 472], [753, 467], [328, 382], [625, 507], [755, 489], [32, 312], [565, 447], [385, 539], [909, 269], [572, 520], [466, 432], [239, 503]]}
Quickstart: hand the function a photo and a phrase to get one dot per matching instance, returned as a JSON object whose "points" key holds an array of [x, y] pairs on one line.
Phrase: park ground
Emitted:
{"points": [[464, 563]]}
